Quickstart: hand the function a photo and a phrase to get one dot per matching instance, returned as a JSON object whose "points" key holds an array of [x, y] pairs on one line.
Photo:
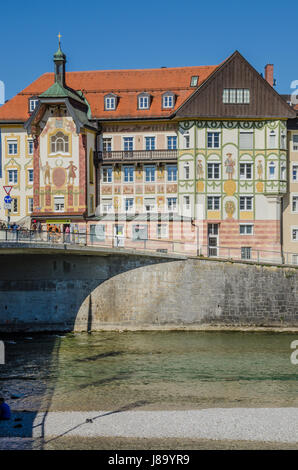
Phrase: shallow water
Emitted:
{"points": [[152, 370]]}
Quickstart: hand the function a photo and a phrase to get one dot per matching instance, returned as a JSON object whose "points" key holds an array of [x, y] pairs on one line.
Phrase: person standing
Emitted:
{"points": [[5, 412]]}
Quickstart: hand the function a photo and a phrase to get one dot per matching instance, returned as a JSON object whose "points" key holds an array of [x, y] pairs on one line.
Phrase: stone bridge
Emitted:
{"points": [[65, 288]]}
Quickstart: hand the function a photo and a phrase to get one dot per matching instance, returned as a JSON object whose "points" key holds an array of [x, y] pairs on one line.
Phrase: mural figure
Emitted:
{"points": [[260, 170], [200, 170], [46, 173], [72, 172], [229, 164]]}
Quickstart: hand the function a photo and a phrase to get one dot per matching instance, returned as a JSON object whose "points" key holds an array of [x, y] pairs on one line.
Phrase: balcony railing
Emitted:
{"points": [[136, 155]]}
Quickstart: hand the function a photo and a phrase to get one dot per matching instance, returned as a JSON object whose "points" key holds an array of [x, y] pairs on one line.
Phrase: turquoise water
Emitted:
{"points": [[152, 370]]}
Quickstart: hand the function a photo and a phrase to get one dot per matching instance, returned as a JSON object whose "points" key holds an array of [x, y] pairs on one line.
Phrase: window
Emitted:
{"points": [[295, 172], [128, 174], [110, 102], [30, 176], [186, 171], [168, 101], [59, 143], [107, 174], [13, 176], [246, 140], [32, 104], [139, 232], [294, 203], [271, 170], [283, 172], [294, 259], [128, 144], [186, 200], [149, 203], [150, 143], [143, 102], [172, 204], [162, 231], [129, 204], [194, 80], [272, 140], [213, 170], [245, 252], [12, 147], [246, 203], [30, 204], [30, 147], [59, 203], [213, 140], [245, 171], [172, 142], [213, 203], [107, 144], [172, 172], [295, 142], [107, 206], [295, 234], [149, 173], [14, 205], [186, 140], [283, 140], [246, 229], [236, 96], [98, 232]]}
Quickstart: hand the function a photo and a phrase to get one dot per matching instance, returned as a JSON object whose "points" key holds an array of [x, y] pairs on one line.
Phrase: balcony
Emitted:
{"points": [[135, 156]]}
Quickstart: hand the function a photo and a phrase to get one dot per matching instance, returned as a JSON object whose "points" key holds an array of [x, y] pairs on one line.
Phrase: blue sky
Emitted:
{"points": [[98, 34]]}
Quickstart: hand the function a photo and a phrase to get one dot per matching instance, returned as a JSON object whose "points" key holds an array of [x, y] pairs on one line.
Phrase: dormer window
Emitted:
{"points": [[168, 100], [32, 104], [144, 101], [110, 102], [194, 81]]}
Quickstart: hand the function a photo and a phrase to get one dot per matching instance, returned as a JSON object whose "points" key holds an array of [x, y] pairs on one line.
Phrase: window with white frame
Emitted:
{"points": [[59, 143], [172, 142], [194, 80], [172, 172], [283, 171], [246, 140], [14, 205], [272, 170], [107, 174], [283, 140], [186, 202], [32, 104], [236, 96], [245, 252], [186, 171], [127, 144], [246, 203], [128, 174], [295, 141], [129, 203], [150, 143], [213, 140], [246, 229], [13, 176], [143, 102], [162, 231], [213, 203], [30, 147], [168, 101], [186, 140], [30, 176], [213, 170], [30, 204], [295, 234], [110, 102], [294, 259], [107, 144], [295, 203], [172, 204], [245, 171], [149, 173], [295, 172], [149, 203], [107, 206], [139, 232], [12, 147], [272, 140], [59, 203]]}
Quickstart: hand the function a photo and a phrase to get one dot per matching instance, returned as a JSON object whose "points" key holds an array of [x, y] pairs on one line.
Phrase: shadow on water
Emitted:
{"points": [[100, 356]]}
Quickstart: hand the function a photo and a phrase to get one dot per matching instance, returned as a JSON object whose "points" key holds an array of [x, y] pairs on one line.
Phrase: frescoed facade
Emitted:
{"points": [[194, 154]]}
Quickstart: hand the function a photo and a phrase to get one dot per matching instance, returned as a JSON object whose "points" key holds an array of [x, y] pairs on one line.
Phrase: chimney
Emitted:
{"points": [[269, 74]]}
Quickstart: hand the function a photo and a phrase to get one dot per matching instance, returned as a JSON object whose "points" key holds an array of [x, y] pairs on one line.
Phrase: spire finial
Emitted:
{"points": [[59, 38]]}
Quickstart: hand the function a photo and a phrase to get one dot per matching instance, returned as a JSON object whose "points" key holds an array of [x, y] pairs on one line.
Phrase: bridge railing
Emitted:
{"points": [[187, 247]]}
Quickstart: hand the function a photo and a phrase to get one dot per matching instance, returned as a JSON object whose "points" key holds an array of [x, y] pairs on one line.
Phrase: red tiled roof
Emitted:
{"points": [[126, 84]]}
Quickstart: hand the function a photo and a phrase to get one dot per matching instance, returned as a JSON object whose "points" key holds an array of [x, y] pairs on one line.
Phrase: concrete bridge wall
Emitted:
{"points": [[75, 292]]}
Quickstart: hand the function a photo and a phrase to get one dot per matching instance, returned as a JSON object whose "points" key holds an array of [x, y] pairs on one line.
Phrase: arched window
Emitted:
{"points": [[59, 143], [271, 170]]}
